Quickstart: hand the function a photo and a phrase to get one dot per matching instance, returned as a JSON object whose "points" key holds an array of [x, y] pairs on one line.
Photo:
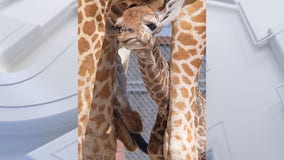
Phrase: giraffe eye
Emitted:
{"points": [[118, 28], [151, 26], [132, 5]]}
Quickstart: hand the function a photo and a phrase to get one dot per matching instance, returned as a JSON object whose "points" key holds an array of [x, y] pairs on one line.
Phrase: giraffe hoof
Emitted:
{"points": [[140, 142], [132, 121]]}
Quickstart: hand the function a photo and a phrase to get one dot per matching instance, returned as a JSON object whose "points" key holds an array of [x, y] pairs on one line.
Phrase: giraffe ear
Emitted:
{"points": [[170, 12]]}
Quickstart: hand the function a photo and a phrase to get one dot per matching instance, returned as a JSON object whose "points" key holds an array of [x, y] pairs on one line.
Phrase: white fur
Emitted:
{"points": [[171, 11]]}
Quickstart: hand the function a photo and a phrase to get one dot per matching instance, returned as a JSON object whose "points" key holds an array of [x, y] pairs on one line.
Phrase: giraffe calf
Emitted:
{"points": [[137, 28]]}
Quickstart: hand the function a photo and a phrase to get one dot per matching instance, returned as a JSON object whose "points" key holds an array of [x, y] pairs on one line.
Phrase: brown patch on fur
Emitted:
{"points": [[99, 120], [200, 29], [202, 121], [99, 18], [102, 75], [196, 122], [79, 3], [193, 107], [175, 68], [156, 88], [180, 105], [183, 148], [178, 123], [193, 149], [185, 25], [175, 80], [101, 108], [184, 92], [103, 2], [196, 62], [132, 121], [91, 10], [174, 93], [194, 7], [187, 39], [189, 137], [188, 116], [188, 157], [101, 27], [86, 66], [160, 95], [104, 92], [80, 17], [80, 82], [181, 54], [200, 17], [83, 45], [186, 80], [178, 137], [187, 69]]}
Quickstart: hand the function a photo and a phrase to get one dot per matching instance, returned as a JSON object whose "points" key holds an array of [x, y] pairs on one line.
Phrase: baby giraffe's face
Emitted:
{"points": [[137, 28]]}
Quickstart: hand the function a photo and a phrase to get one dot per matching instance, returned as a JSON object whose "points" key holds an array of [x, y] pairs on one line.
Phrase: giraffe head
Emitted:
{"points": [[139, 25]]}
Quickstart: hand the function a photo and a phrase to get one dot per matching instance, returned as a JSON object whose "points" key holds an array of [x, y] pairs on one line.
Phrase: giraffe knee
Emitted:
{"points": [[155, 147], [132, 121]]}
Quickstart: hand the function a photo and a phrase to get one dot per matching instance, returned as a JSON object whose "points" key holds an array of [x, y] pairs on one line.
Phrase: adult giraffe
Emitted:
{"points": [[186, 133]]}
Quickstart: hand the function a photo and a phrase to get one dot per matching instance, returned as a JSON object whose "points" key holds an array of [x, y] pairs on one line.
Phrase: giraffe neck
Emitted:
{"points": [[188, 49], [155, 74]]}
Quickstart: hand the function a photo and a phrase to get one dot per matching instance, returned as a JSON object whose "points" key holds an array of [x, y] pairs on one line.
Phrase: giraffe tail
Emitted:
{"points": [[139, 141]]}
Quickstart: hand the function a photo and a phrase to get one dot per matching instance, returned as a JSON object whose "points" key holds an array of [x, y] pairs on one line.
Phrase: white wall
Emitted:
{"points": [[241, 91]]}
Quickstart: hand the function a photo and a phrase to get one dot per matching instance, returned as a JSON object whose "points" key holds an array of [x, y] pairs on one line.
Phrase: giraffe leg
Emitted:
{"points": [[156, 143], [180, 137], [130, 118], [126, 121], [201, 129], [100, 140], [92, 125]]}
